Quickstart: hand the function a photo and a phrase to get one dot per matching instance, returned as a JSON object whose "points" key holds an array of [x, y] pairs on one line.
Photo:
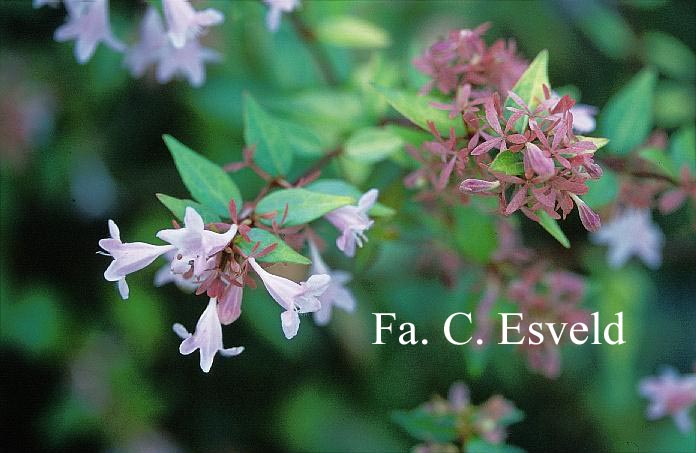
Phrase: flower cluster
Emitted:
{"points": [[526, 154], [174, 50], [466, 424], [216, 259], [670, 394]]}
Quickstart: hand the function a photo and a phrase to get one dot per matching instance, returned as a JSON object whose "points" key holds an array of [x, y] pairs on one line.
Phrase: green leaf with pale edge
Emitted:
{"points": [[206, 181], [352, 32], [418, 109], [530, 87], [273, 151], [303, 205], [283, 253], [372, 144], [552, 227], [178, 208], [508, 162], [427, 426], [599, 142], [340, 187], [602, 191], [627, 119]]}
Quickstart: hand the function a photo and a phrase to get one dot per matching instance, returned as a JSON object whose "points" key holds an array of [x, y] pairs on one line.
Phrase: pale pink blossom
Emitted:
{"points": [[128, 257], [352, 222], [632, 232], [164, 275], [670, 394], [194, 244], [230, 304], [535, 161], [478, 185], [336, 293], [187, 61], [584, 118], [153, 41], [293, 297], [88, 25], [185, 23], [207, 338], [275, 9]]}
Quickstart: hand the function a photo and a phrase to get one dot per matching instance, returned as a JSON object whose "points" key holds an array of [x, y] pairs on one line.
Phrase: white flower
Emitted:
{"points": [[187, 61], [185, 23], [294, 298], [275, 9], [164, 275], [632, 232], [194, 244], [153, 40], [128, 257], [353, 221], [584, 118], [88, 25], [336, 293], [207, 338]]}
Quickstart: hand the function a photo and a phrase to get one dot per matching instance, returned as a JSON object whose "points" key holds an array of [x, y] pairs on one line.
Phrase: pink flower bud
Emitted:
{"points": [[478, 185], [590, 220], [538, 161]]}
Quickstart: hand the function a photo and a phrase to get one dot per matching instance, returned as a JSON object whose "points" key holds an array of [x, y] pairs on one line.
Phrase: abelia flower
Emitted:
{"points": [[153, 39], [336, 293], [293, 297], [590, 220], [164, 275], [352, 222], [584, 118], [478, 185], [88, 25], [185, 23], [230, 305], [187, 61], [670, 394], [535, 161], [632, 232], [194, 244], [275, 9], [128, 257], [40, 3], [207, 338]]}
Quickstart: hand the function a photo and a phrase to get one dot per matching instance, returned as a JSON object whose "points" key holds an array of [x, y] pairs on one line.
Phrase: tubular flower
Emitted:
{"points": [[352, 222], [336, 293], [670, 394], [207, 338], [185, 23], [293, 297], [88, 25], [128, 257]]}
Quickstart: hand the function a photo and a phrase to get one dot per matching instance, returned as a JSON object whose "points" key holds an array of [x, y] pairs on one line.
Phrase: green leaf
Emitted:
{"points": [[682, 148], [509, 163], [602, 191], [283, 253], [302, 139], [475, 234], [627, 119], [352, 32], [340, 187], [273, 153], [660, 159], [552, 227], [599, 142], [206, 181], [530, 87], [426, 426], [607, 29], [303, 205], [418, 109], [178, 208], [372, 144], [674, 104], [671, 56]]}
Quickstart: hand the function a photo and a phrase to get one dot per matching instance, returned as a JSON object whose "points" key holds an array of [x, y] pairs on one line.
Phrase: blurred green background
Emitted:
{"points": [[83, 370]]}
